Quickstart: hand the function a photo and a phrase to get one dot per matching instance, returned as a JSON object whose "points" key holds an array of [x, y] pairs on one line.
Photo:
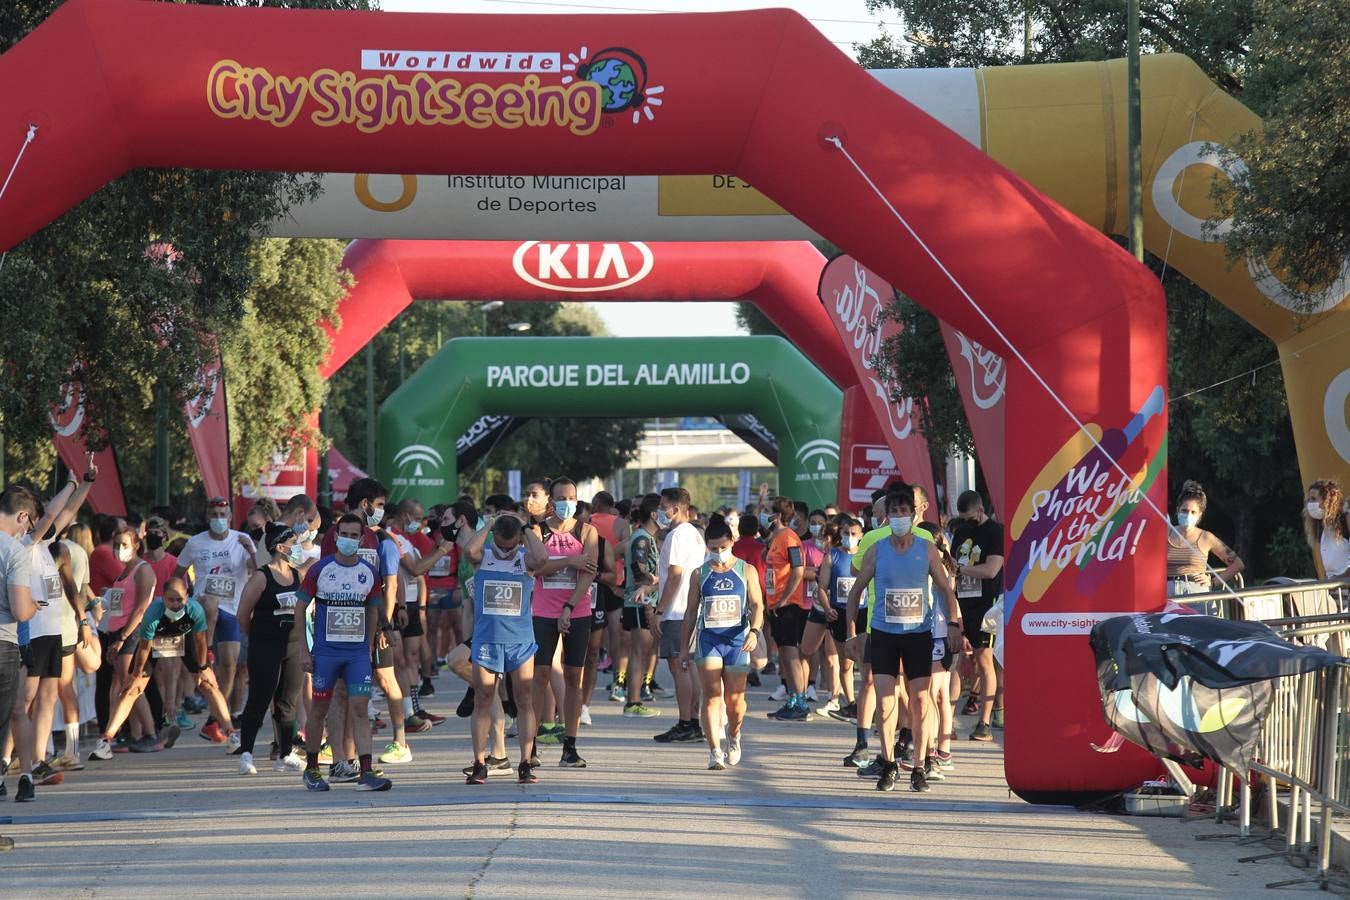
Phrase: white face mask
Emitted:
{"points": [[721, 557], [850, 542], [375, 516], [1315, 510], [125, 554], [901, 525], [173, 615], [220, 524]]}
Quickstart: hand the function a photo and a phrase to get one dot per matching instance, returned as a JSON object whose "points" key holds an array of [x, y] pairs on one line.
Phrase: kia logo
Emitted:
{"points": [[582, 268]]}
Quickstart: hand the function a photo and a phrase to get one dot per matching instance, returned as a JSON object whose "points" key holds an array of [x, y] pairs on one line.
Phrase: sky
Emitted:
{"points": [[845, 22]]}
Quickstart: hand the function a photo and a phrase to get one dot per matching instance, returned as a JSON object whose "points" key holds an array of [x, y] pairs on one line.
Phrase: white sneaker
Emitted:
{"points": [[232, 743], [102, 750], [291, 763], [717, 760], [779, 693], [586, 715], [246, 766], [832, 706], [811, 695], [734, 750]]}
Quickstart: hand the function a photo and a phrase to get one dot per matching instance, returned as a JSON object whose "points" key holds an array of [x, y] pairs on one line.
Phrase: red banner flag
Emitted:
{"points": [[341, 473], [982, 379], [854, 297], [209, 428], [68, 435]]}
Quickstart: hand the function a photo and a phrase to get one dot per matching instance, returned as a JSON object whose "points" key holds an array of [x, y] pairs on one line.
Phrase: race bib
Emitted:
{"points": [[167, 646], [904, 606], [286, 604], [440, 568], [369, 556], [345, 624], [769, 581], [969, 587], [503, 598], [411, 590], [721, 612], [112, 599], [566, 579], [219, 587], [841, 588], [52, 590]]}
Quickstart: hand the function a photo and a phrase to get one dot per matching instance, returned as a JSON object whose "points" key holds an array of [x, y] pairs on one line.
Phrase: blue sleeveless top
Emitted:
{"points": [[841, 578], [723, 605], [904, 602], [503, 594]]}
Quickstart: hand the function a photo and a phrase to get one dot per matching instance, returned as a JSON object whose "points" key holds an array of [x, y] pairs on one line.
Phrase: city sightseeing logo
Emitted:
{"points": [[445, 87]]}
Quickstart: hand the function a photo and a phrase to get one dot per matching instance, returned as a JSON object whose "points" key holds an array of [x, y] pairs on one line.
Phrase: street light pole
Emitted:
{"points": [[1134, 130]]}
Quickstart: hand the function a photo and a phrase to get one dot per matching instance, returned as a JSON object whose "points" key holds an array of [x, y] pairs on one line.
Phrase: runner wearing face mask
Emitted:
{"points": [[173, 628], [562, 600], [275, 676], [814, 551], [221, 560], [125, 604], [640, 560], [785, 573], [826, 617], [722, 625], [168, 674]]}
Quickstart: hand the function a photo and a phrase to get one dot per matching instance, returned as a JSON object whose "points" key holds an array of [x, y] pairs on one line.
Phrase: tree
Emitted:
{"points": [[1291, 205]]}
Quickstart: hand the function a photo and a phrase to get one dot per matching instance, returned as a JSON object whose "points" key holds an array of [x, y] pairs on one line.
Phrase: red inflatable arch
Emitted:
{"points": [[778, 276], [115, 84]]}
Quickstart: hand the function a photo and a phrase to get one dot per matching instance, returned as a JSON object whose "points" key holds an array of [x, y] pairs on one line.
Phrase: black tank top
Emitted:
{"points": [[274, 614]]}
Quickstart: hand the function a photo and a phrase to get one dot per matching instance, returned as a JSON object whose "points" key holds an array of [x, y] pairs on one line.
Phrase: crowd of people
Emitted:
{"points": [[337, 626]]}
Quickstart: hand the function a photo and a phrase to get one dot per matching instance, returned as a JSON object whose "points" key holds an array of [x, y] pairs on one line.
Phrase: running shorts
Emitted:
{"points": [[503, 658], [353, 669], [227, 628], [789, 622], [712, 651], [575, 643], [892, 652], [635, 617]]}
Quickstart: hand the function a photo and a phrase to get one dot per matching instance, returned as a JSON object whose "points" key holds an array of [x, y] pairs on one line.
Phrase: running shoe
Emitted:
{"points": [[43, 773], [169, 736], [944, 760], [972, 705], [25, 793], [782, 711], [478, 774], [121, 745], [717, 761], [779, 693], [606, 664], [829, 708], [752, 679], [493, 763], [414, 725], [325, 754], [314, 781], [618, 693], [378, 724], [733, 749], [677, 732], [638, 711], [811, 694], [982, 733], [571, 759], [997, 719], [859, 758], [183, 722], [903, 741], [796, 714], [886, 780], [550, 733], [586, 715], [66, 762], [932, 771], [211, 732], [246, 766], [274, 751], [102, 750], [905, 763], [427, 689], [534, 760], [232, 742], [659, 691], [147, 744], [394, 752], [372, 782], [846, 714], [429, 717], [918, 782], [291, 763], [770, 668], [465, 708], [691, 735], [525, 774], [645, 694], [344, 771]]}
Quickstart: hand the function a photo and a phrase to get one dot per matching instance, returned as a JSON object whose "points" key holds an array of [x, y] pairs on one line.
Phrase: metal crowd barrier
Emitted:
{"points": [[1305, 740]]}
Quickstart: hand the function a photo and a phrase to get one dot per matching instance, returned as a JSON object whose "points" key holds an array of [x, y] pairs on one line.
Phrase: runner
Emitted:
{"points": [[682, 552], [173, 628], [723, 633], [168, 674], [977, 542], [902, 631], [604, 582], [125, 604], [221, 560], [275, 676], [641, 558], [784, 575], [814, 549], [608, 520], [445, 618], [562, 594], [18, 515], [826, 616], [347, 593], [418, 556], [503, 634]]}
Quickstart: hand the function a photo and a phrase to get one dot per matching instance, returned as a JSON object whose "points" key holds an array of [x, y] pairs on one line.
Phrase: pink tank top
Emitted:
{"points": [[552, 592], [120, 600]]}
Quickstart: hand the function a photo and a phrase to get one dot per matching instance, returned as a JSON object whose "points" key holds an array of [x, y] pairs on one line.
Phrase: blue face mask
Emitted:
{"points": [[564, 509], [663, 519], [297, 555], [347, 546], [375, 516], [766, 520], [901, 525], [1188, 520]]}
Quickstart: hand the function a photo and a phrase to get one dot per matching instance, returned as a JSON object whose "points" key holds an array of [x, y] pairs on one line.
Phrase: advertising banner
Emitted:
{"points": [[67, 434]]}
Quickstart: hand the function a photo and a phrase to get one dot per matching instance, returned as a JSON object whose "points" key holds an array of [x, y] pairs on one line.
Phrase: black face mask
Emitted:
{"points": [[257, 533], [154, 540]]}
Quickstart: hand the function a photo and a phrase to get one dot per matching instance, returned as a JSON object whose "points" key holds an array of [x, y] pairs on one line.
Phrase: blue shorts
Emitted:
{"points": [[445, 599], [729, 652], [503, 658], [353, 668], [227, 628]]}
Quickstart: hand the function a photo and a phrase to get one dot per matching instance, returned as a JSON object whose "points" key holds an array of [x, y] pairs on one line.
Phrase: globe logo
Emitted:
{"points": [[617, 80]]}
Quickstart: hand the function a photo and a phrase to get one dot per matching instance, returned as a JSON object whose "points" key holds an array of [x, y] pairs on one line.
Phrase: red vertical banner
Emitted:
{"points": [[982, 378], [209, 428], [67, 418], [866, 462], [854, 297]]}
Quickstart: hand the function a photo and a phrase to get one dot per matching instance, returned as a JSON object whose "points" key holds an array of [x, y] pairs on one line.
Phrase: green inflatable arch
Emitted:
{"points": [[551, 377]]}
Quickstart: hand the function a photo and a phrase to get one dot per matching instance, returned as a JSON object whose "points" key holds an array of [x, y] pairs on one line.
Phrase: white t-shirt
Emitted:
{"points": [[16, 565], [45, 584], [1335, 554], [411, 583], [682, 547], [219, 567]]}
